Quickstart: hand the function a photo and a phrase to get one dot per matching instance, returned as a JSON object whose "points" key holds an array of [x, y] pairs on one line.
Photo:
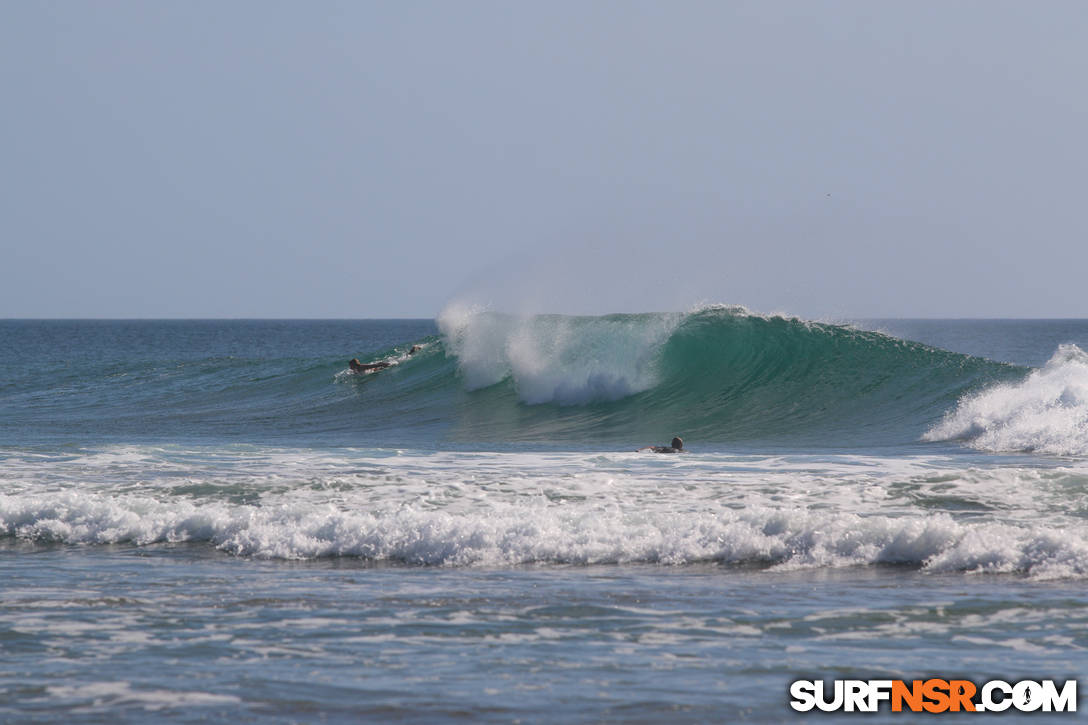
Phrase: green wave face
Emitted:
{"points": [[717, 375], [749, 377]]}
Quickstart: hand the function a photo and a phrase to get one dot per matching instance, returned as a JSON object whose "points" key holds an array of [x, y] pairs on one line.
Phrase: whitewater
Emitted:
{"points": [[212, 519]]}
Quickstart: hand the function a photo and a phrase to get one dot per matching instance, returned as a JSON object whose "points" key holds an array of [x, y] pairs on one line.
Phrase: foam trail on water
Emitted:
{"points": [[1047, 412], [558, 359]]}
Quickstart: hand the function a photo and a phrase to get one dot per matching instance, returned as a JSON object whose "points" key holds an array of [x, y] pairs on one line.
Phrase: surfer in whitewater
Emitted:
{"points": [[677, 446]]}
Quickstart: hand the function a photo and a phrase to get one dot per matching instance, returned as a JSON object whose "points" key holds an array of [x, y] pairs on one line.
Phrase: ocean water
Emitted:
{"points": [[211, 520]]}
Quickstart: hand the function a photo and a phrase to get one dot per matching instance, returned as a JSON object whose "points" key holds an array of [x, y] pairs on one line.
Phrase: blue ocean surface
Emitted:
{"points": [[212, 520]]}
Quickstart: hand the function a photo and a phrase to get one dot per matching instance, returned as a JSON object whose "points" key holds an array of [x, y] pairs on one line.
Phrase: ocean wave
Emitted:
{"points": [[534, 533], [1046, 412], [554, 358], [714, 373]]}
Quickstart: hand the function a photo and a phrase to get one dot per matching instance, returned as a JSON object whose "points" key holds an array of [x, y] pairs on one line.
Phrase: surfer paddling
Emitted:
{"points": [[677, 446], [358, 367]]}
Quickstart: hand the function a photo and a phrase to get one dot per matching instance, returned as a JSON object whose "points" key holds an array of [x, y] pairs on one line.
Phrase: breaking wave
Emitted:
{"points": [[514, 534], [1046, 412], [716, 374]]}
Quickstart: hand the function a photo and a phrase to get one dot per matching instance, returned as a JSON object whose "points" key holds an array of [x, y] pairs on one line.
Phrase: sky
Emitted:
{"points": [[386, 159]]}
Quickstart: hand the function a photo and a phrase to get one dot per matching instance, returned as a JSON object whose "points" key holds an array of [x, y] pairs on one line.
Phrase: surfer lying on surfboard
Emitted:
{"points": [[677, 446], [358, 367]]}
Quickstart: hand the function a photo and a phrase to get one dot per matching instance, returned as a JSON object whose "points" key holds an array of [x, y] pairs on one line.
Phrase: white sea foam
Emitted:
{"points": [[498, 509], [523, 533], [1047, 412], [108, 695], [557, 359], [465, 509]]}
